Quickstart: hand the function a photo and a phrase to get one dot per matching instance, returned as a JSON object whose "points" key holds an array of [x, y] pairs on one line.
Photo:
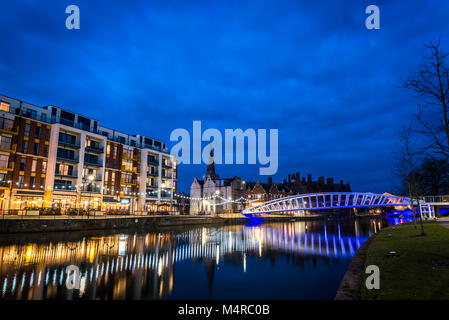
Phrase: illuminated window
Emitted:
{"points": [[33, 165], [4, 106], [44, 166]]}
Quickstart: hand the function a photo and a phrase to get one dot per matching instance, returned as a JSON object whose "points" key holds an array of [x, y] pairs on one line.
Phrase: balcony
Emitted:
{"points": [[167, 165], [94, 149], [70, 144], [130, 170], [62, 187], [4, 165], [154, 173], [133, 158], [133, 182], [93, 162], [91, 188], [8, 147], [153, 161], [7, 126], [67, 158], [5, 184], [73, 175]]}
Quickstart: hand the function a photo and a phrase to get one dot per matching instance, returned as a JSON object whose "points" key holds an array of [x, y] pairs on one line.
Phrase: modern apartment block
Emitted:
{"points": [[51, 157]]}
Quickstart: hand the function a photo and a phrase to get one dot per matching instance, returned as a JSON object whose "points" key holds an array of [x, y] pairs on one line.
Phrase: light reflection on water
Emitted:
{"points": [[294, 260]]}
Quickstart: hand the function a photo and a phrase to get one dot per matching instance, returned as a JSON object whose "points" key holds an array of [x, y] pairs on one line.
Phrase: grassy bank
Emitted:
{"points": [[421, 271]]}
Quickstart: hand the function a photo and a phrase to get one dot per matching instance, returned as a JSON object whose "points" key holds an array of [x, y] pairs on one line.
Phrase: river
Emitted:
{"points": [[290, 260]]}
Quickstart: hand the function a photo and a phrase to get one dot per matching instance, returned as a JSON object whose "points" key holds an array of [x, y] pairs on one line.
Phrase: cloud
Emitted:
{"points": [[308, 68]]}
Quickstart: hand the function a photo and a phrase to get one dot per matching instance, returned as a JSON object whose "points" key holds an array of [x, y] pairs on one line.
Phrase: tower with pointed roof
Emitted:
{"points": [[211, 166]]}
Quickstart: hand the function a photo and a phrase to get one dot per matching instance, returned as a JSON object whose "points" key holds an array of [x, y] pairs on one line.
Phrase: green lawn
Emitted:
{"points": [[421, 271]]}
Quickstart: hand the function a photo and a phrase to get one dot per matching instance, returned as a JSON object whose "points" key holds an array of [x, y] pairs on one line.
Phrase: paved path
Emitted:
{"points": [[444, 222]]}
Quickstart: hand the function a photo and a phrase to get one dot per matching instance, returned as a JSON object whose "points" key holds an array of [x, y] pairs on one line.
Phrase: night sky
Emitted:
{"points": [[308, 68]]}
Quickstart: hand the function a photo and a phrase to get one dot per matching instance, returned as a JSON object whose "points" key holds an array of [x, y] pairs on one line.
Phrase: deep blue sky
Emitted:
{"points": [[308, 68]]}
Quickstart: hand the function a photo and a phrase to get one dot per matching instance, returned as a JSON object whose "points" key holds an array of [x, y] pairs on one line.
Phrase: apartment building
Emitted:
{"points": [[52, 157]]}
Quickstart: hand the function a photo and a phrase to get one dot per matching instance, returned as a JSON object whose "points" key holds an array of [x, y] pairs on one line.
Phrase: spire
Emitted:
{"points": [[211, 166]]}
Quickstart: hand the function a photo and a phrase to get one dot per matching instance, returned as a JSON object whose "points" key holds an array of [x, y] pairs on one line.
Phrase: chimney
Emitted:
{"points": [[309, 178], [270, 181], [289, 179], [321, 180], [284, 181], [330, 181]]}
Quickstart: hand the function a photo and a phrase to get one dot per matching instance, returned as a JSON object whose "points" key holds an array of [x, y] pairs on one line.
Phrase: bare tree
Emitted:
{"points": [[408, 163], [431, 83]]}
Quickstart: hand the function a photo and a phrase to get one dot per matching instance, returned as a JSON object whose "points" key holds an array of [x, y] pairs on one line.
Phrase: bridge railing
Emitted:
{"points": [[436, 199]]}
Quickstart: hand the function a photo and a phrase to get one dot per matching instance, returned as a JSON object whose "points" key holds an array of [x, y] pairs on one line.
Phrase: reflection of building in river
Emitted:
{"points": [[142, 266]]}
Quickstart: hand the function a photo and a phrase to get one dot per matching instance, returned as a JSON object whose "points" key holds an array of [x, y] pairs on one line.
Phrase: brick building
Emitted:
{"points": [[51, 157]]}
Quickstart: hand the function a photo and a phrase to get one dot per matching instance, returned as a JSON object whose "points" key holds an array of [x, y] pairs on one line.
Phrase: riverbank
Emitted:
{"points": [[58, 224], [419, 269]]}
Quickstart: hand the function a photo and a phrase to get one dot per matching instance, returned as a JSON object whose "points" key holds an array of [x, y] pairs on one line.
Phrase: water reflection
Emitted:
{"points": [[238, 261]]}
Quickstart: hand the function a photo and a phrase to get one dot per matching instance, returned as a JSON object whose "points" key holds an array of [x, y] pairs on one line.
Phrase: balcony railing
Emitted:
{"points": [[67, 175], [94, 149], [7, 125], [127, 169], [93, 162], [5, 184], [70, 144], [154, 173], [153, 161], [6, 166], [67, 158], [167, 165], [64, 187]]}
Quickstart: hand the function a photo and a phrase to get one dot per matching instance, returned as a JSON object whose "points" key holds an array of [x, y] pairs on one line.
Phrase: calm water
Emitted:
{"points": [[294, 260]]}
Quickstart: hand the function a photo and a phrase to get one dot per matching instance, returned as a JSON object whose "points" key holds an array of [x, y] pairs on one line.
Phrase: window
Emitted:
{"points": [[22, 164], [128, 153], [4, 161], [36, 149], [37, 135], [32, 185], [45, 151], [31, 113], [6, 124], [26, 132], [113, 176], [33, 165], [5, 142], [4, 106], [25, 147], [127, 166], [44, 166], [127, 177], [64, 169], [106, 175], [20, 182], [108, 149]]}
